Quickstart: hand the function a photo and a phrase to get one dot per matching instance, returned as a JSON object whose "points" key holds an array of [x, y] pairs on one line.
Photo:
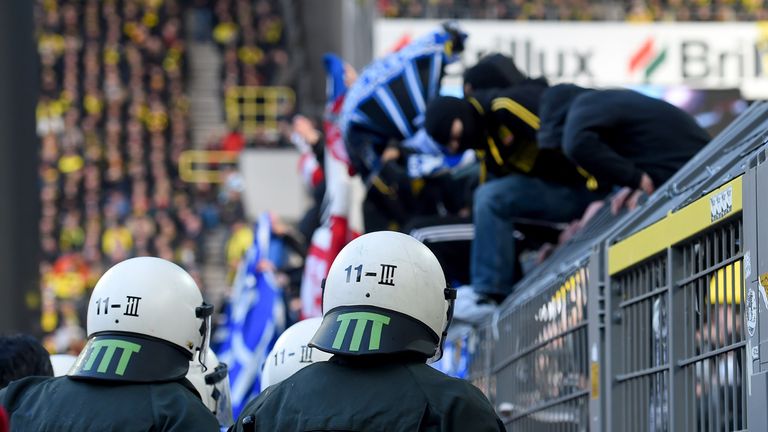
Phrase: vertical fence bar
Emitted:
{"points": [[678, 333]]}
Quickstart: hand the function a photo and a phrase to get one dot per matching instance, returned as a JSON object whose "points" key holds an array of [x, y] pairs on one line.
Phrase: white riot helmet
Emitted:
{"points": [[385, 293], [211, 380], [292, 353], [62, 363], [146, 322]]}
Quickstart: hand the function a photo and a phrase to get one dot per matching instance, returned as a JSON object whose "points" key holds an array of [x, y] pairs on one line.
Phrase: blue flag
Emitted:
{"points": [[255, 317], [391, 94]]}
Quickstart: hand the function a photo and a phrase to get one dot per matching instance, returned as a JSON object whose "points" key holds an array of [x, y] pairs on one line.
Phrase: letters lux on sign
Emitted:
{"points": [[361, 322], [110, 346]]}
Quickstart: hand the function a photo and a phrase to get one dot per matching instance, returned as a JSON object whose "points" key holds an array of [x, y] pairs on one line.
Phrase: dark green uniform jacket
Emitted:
{"points": [[342, 395], [42, 404]]}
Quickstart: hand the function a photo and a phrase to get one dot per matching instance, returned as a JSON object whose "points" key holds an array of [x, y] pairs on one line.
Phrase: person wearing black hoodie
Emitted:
{"points": [[523, 182], [621, 137]]}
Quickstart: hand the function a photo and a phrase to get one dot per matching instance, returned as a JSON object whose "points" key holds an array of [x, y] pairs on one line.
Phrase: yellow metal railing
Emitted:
{"points": [[257, 109], [195, 165], [677, 226]]}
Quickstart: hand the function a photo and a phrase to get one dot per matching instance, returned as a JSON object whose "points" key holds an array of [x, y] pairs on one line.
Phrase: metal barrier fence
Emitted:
{"points": [[640, 358], [481, 341], [678, 350], [712, 353], [639, 324], [544, 358]]}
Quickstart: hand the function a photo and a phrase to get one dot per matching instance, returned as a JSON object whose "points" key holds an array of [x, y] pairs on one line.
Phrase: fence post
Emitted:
{"points": [[676, 313], [756, 308], [612, 348], [596, 338]]}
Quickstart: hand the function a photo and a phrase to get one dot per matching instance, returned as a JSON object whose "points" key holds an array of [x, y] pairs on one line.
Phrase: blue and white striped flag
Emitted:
{"points": [[255, 317]]}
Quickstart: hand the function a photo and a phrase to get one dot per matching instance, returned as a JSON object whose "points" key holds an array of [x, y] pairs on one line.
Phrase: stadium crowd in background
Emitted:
{"points": [[113, 119], [489, 9], [577, 10]]}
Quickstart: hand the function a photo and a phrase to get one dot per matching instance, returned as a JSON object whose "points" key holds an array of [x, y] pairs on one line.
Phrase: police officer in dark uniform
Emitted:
{"points": [[146, 321], [386, 312]]}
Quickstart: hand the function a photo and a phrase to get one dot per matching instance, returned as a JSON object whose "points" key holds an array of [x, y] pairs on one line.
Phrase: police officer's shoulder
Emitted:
{"points": [[439, 386], [288, 386], [178, 387], [279, 394], [255, 403], [456, 401], [270, 394], [19, 387], [170, 399], [16, 390], [250, 410]]}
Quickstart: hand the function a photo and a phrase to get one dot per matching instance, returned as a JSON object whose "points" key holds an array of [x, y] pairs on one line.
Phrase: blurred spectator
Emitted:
{"points": [[22, 356], [233, 141]]}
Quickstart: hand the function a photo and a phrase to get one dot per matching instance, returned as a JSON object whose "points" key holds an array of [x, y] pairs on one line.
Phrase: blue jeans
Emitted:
{"points": [[497, 204]]}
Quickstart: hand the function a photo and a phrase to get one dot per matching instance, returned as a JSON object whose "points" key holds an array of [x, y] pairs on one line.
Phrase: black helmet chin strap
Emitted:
{"points": [[204, 311], [450, 295], [322, 294]]}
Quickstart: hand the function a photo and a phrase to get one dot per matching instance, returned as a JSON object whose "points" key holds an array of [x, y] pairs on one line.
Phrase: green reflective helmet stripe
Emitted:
{"points": [[111, 345], [369, 330], [119, 356], [378, 322]]}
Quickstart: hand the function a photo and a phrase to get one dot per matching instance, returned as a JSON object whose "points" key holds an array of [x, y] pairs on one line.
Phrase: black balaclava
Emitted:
{"points": [[493, 71], [442, 111], [554, 106]]}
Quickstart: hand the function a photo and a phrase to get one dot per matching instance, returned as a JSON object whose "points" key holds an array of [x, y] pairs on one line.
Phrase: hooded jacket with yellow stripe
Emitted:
{"points": [[506, 140]]}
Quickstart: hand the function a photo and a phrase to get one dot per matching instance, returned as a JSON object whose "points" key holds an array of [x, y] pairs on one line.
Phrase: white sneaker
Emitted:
{"points": [[471, 307]]}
